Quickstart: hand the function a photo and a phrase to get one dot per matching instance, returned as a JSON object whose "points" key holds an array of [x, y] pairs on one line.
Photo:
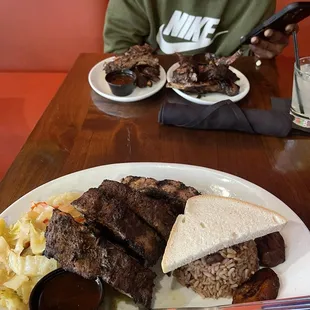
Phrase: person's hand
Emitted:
{"points": [[273, 43]]}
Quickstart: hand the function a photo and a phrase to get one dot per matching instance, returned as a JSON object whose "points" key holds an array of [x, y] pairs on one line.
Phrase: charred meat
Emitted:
{"points": [[263, 285], [227, 61], [155, 213], [125, 225], [187, 72], [271, 249], [146, 75], [139, 59], [208, 76], [77, 250], [223, 87], [174, 192]]}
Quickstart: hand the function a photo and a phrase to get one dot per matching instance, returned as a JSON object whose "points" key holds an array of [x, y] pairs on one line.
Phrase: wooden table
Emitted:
{"points": [[75, 134]]}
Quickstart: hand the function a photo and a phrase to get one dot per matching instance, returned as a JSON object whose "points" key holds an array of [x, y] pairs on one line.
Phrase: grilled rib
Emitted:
{"points": [[222, 87], [157, 214], [126, 226], [137, 55], [176, 192], [227, 60], [77, 250], [208, 76]]}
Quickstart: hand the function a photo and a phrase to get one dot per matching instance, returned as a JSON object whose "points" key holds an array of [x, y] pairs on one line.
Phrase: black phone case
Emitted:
{"points": [[291, 14]]}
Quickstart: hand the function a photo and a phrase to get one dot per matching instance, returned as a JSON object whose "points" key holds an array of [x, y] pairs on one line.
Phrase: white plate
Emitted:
{"points": [[294, 273], [212, 98], [96, 79]]}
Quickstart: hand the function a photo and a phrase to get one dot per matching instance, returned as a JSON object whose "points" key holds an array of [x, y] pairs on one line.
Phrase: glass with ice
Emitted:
{"points": [[300, 108]]}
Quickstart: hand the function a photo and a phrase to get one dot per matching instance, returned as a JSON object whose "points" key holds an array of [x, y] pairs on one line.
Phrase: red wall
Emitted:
{"points": [[41, 35], [49, 34]]}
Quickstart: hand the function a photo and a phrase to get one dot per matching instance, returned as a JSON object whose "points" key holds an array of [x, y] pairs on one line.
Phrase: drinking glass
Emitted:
{"points": [[300, 107]]}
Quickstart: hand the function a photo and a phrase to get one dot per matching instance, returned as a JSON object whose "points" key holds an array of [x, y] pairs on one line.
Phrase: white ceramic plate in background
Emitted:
{"points": [[212, 98], [294, 273], [96, 79]]}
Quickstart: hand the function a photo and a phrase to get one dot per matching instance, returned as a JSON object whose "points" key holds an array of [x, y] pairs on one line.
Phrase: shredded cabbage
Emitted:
{"points": [[44, 213], [37, 240], [4, 274], [31, 266], [4, 230], [16, 282], [22, 264], [4, 253], [10, 300], [20, 234], [25, 289]]}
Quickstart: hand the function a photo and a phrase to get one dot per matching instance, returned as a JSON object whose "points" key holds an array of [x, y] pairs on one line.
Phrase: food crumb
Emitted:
{"points": [[258, 63]]}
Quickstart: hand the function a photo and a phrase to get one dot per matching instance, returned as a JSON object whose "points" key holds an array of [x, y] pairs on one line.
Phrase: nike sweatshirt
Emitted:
{"points": [[184, 26]]}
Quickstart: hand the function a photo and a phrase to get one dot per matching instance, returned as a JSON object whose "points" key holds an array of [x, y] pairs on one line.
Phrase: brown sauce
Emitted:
{"points": [[121, 79], [69, 291]]}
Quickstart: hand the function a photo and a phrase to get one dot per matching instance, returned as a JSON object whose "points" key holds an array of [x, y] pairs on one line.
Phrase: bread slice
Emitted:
{"points": [[211, 223]]}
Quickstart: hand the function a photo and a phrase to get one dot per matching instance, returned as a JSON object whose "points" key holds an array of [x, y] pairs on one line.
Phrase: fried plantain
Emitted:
{"points": [[263, 285]]}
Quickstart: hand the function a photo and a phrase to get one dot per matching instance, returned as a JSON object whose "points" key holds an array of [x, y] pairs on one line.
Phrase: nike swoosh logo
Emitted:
{"points": [[178, 47]]}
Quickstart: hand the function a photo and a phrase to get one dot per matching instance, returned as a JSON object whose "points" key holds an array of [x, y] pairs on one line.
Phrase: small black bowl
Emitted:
{"points": [[122, 83], [63, 290]]}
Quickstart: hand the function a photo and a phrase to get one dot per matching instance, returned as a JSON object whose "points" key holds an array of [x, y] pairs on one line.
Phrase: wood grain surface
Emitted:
{"points": [[74, 133]]}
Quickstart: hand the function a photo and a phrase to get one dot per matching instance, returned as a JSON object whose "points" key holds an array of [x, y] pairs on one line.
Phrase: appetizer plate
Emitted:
{"points": [[294, 273], [213, 98], [96, 79]]}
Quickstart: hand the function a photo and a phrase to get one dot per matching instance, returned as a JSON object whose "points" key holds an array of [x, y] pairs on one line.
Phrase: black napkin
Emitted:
{"points": [[226, 115]]}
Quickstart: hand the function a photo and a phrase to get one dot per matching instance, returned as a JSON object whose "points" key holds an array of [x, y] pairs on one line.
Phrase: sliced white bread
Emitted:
{"points": [[211, 223]]}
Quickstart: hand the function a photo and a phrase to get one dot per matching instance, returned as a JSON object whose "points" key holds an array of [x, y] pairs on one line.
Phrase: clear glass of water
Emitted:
{"points": [[300, 108]]}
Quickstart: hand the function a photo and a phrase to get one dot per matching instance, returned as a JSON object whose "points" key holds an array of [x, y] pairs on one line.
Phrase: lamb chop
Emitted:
{"points": [[227, 61], [135, 56], [187, 72], [223, 87], [210, 75], [139, 59], [76, 249]]}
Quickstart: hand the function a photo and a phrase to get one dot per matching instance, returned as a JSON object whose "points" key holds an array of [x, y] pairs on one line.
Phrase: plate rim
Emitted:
{"points": [[206, 102], [126, 98], [156, 164]]}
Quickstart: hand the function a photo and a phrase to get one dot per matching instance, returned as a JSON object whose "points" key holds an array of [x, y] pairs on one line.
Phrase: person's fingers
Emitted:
{"points": [[274, 43], [273, 36], [290, 28], [268, 33], [274, 48], [254, 40], [276, 36], [261, 52]]}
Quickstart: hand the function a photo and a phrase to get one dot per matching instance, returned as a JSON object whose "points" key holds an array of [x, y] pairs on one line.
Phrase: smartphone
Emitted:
{"points": [[291, 14]]}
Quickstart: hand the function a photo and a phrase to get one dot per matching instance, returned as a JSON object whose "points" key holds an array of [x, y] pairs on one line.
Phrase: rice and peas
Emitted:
{"points": [[22, 263], [219, 278]]}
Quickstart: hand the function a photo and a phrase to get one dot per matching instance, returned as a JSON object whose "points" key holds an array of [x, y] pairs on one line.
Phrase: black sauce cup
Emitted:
{"points": [[65, 297], [121, 90]]}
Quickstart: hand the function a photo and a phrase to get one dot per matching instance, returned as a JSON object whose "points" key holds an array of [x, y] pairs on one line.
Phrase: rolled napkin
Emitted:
{"points": [[226, 115]]}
